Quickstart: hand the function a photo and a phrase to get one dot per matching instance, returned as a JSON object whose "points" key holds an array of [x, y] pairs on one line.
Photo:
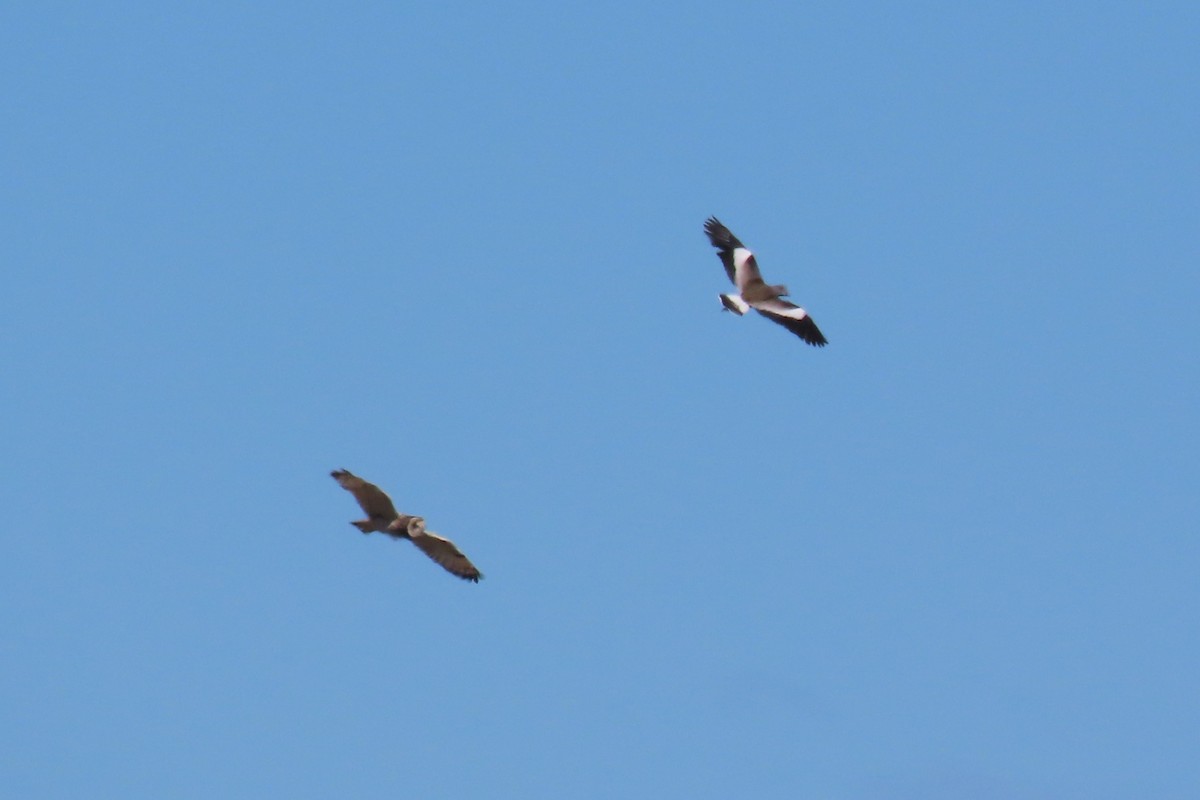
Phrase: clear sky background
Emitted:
{"points": [[457, 249]]}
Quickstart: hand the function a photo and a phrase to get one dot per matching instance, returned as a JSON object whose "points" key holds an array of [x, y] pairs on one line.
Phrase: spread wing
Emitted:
{"points": [[792, 317], [739, 262], [373, 500], [445, 553]]}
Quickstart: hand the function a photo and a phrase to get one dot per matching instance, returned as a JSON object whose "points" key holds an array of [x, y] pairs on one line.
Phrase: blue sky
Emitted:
{"points": [[457, 249]]}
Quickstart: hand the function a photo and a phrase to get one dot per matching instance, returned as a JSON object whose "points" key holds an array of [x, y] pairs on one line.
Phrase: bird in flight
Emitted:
{"points": [[753, 291], [383, 517]]}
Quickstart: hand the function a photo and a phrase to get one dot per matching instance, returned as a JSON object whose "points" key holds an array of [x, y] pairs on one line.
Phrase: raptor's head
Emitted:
{"points": [[407, 525]]}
